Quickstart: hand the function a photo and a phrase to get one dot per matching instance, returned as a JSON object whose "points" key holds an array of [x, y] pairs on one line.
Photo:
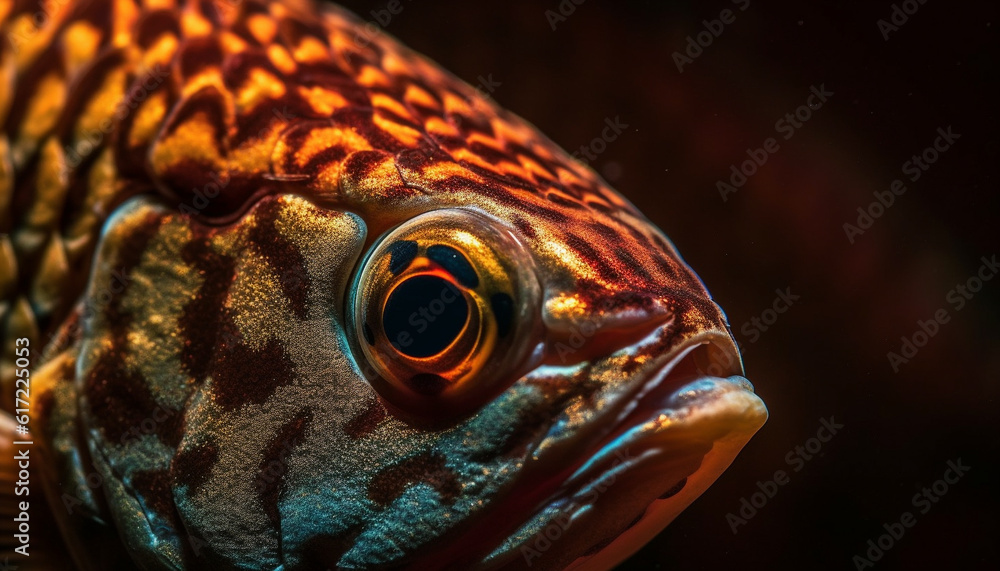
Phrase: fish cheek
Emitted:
{"points": [[280, 378], [231, 340]]}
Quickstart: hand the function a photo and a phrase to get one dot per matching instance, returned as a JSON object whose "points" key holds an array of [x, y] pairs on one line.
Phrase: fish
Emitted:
{"points": [[277, 292]]}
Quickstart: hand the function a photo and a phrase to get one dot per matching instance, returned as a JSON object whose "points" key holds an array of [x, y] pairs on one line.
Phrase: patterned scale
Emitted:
{"points": [[216, 104]]}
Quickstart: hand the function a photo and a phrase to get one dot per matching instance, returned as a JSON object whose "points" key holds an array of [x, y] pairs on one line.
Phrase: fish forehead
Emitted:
{"points": [[351, 119]]}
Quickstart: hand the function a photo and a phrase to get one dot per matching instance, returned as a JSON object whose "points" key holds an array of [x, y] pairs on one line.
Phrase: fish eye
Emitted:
{"points": [[445, 310]]}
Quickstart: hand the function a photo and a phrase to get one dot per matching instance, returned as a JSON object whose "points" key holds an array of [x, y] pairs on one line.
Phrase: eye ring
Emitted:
{"points": [[445, 309]]}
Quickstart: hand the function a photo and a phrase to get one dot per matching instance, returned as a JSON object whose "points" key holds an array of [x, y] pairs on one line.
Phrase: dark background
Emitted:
{"points": [[827, 355]]}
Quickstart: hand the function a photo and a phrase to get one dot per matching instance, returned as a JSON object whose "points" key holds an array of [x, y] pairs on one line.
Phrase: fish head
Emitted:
{"points": [[427, 338], [461, 390]]}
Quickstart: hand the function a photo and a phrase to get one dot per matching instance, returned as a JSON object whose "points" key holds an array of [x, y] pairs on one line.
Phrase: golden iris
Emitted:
{"points": [[445, 309]]}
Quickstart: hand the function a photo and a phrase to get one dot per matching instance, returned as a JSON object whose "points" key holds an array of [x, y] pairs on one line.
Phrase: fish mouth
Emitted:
{"points": [[671, 435]]}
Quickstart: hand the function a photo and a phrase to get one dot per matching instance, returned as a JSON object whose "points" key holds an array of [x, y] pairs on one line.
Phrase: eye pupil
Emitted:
{"points": [[423, 315]]}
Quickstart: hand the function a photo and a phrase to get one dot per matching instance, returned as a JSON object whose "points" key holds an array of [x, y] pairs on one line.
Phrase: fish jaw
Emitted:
{"points": [[681, 430], [723, 412]]}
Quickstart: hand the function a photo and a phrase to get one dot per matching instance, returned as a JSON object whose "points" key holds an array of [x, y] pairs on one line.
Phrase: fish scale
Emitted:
{"points": [[187, 190]]}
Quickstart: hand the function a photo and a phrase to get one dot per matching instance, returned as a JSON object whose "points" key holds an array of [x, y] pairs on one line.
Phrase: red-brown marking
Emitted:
{"points": [[428, 468]]}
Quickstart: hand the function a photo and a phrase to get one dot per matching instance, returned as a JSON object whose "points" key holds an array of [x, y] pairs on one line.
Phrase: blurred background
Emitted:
{"points": [[569, 67]]}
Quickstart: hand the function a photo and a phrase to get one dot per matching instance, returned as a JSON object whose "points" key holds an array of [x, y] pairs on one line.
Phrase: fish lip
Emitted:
{"points": [[705, 408], [689, 402], [678, 460]]}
